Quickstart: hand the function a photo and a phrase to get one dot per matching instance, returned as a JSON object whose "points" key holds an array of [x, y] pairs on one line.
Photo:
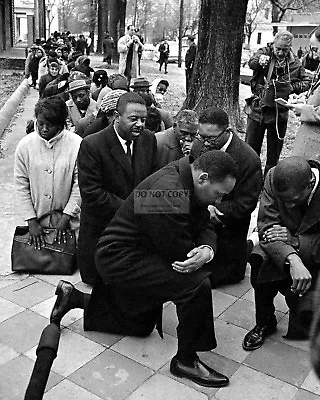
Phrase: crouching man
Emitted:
{"points": [[287, 259], [159, 248]]}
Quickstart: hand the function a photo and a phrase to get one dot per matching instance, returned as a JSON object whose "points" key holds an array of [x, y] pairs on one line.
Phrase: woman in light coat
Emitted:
{"points": [[46, 173]]}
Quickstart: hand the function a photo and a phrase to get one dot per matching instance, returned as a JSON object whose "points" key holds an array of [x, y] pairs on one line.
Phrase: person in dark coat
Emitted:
{"points": [[287, 259], [158, 249], [189, 60], [107, 174], [108, 48], [287, 76], [232, 215], [81, 44], [164, 50], [176, 142]]}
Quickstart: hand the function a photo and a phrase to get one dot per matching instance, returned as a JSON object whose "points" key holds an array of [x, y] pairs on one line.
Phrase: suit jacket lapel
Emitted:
{"points": [[119, 154]]}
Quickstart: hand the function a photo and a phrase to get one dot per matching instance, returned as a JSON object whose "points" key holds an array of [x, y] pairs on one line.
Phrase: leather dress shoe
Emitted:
{"points": [[199, 373], [61, 306], [256, 337]]}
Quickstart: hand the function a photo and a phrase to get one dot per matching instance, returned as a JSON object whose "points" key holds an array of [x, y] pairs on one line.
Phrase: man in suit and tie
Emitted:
{"points": [[111, 164], [232, 216]]}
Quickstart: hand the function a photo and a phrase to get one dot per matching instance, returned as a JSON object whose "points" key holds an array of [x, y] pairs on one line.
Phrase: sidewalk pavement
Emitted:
{"points": [[95, 366]]}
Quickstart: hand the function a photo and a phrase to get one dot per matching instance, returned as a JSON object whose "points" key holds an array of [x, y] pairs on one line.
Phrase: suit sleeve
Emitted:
{"points": [[269, 215], [175, 233], [101, 202], [244, 196]]}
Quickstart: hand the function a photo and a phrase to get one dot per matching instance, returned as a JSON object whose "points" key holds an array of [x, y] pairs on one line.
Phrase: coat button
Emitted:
{"points": [[48, 196], [49, 171]]}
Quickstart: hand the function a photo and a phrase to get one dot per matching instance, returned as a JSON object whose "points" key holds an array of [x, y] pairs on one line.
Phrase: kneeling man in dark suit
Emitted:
{"points": [[158, 248], [287, 259]]}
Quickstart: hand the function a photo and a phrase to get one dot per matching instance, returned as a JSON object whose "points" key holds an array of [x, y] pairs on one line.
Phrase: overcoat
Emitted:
{"points": [[135, 252], [237, 206], [123, 50], [305, 225], [169, 148], [106, 178]]}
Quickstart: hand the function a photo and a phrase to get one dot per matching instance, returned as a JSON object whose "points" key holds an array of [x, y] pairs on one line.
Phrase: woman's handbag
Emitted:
{"points": [[53, 258]]}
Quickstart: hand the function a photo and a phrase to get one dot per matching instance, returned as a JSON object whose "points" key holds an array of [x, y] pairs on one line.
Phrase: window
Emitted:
{"points": [[259, 38]]}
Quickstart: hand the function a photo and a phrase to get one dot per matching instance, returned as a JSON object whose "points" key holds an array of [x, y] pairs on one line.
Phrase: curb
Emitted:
{"points": [[10, 106]]}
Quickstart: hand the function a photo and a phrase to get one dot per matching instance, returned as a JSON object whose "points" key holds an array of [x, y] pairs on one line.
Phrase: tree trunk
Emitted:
{"points": [[215, 80], [102, 23], [180, 32], [122, 16], [114, 18]]}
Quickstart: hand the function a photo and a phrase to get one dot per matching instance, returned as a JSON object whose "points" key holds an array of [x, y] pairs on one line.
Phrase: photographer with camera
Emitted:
{"points": [[128, 48], [277, 73]]}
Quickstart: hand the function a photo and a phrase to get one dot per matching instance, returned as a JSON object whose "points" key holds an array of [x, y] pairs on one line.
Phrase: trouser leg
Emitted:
{"points": [[275, 136], [196, 328], [254, 134], [264, 294], [104, 313], [87, 243]]}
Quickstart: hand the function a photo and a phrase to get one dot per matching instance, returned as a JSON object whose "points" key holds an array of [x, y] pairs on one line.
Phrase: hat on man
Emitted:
{"points": [[77, 85], [139, 83], [109, 101]]}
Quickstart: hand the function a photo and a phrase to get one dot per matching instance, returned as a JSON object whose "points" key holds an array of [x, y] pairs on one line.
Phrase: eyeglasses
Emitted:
{"points": [[209, 140]]}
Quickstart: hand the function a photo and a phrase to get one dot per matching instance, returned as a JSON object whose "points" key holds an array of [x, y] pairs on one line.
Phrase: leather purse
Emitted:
{"points": [[53, 258]]}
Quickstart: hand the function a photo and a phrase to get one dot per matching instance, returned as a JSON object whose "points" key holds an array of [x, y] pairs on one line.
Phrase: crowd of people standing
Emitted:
{"points": [[113, 144]]}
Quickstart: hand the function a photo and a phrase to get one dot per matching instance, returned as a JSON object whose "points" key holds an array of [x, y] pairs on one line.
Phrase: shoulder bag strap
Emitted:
{"points": [[270, 70]]}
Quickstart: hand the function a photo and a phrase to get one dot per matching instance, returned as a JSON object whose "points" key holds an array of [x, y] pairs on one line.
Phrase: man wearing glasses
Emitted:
{"points": [[276, 74], [232, 215]]}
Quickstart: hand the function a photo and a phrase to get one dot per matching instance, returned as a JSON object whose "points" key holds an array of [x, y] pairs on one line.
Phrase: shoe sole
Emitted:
{"points": [[59, 294], [196, 380]]}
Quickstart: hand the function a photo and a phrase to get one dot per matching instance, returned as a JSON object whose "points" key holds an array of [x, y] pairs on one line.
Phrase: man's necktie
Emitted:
{"points": [[129, 155]]}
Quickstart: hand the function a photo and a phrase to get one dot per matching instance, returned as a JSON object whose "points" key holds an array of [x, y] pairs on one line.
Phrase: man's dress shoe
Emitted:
{"points": [[199, 373], [61, 306], [256, 337]]}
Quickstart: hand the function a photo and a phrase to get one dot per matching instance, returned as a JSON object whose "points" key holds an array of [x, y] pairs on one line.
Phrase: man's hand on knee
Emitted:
{"points": [[301, 277]]}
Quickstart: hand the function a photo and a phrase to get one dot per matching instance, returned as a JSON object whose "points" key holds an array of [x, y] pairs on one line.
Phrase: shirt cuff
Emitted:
{"points": [[211, 252]]}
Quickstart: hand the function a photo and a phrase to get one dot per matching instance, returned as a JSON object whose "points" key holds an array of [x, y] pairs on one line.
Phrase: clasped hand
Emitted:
{"points": [[36, 236], [196, 258], [279, 233]]}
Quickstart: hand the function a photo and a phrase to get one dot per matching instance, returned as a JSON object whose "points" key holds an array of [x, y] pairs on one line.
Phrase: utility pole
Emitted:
{"points": [[180, 32]]}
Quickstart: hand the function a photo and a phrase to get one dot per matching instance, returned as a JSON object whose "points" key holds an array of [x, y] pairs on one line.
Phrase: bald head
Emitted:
{"points": [[292, 174]]}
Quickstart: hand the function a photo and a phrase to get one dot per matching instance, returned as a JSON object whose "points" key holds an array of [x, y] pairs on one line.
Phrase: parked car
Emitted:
{"points": [[245, 75]]}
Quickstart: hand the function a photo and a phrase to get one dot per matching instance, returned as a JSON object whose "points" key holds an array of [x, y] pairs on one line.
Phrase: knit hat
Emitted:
{"points": [[77, 85], [109, 101]]}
